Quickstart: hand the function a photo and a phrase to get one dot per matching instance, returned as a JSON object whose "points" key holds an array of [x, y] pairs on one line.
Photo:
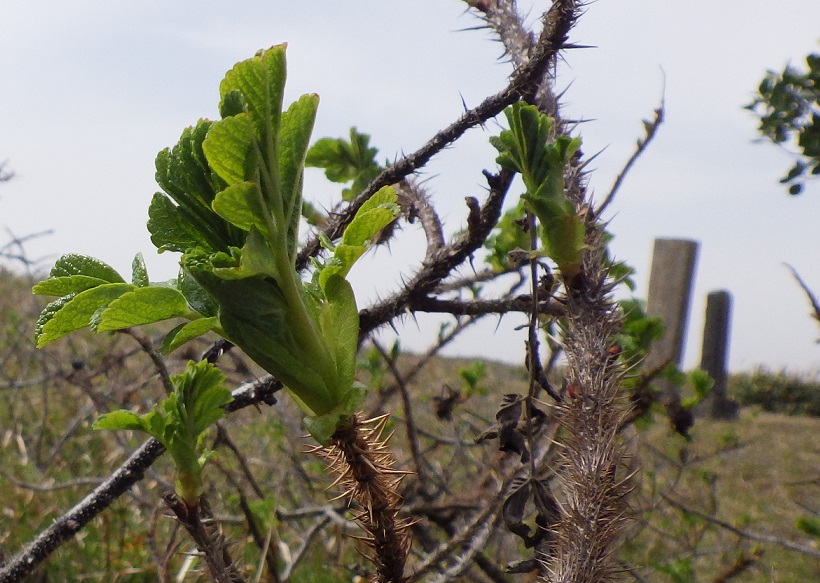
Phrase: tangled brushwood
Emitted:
{"points": [[366, 473]]}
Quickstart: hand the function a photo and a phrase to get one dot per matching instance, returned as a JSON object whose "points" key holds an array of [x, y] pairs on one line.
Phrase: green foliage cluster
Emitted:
{"points": [[530, 148], [788, 107], [472, 376], [232, 204], [780, 392], [180, 421], [346, 161], [507, 236]]}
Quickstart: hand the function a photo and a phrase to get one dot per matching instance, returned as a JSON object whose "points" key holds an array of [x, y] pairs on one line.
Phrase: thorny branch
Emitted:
{"points": [[524, 83]]}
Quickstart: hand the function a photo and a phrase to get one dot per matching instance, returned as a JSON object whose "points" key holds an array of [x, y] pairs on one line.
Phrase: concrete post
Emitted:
{"points": [[715, 354], [670, 289]]}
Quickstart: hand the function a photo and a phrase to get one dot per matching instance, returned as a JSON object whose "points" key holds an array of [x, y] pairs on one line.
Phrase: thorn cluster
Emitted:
{"points": [[359, 456]]}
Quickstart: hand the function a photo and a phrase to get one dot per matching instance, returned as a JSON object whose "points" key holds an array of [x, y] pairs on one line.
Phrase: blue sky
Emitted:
{"points": [[93, 89]]}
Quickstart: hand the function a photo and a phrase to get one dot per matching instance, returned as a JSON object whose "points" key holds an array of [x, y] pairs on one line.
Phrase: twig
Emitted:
{"points": [[815, 305], [207, 535], [409, 422], [148, 348], [301, 551], [650, 129], [441, 265], [477, 524], [522, 303], [502, 17], [464, 559], [469, 281], [410, 374], [741, 564], [430, 221], [224, 438], [118, 483], [806, 549], [73, 483], [268, 552]]}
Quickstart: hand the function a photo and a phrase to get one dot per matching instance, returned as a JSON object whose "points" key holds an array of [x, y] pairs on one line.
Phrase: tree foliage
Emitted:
{"points": [[788, 107]]}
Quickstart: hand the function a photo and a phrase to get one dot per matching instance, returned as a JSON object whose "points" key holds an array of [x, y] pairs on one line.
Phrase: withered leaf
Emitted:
{"points": [[513, 510]]}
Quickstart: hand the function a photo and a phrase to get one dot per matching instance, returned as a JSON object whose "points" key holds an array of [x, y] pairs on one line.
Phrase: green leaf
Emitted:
{"points": [[563, 238], [345, 161], [74, 264], [144, 305], [63, 286], [184, 174], [322, 427], [228, 147], [241, 204], [702, 382], [62, 318], [507, 236], [178, 422], [139, 273], [368, 223], [378, 212], [255, 316], [294, 137], [187, 332], [526, 148], [171, 227], [810, 525], [117, 420], [199, 299], [339, 321], [261, 83]]}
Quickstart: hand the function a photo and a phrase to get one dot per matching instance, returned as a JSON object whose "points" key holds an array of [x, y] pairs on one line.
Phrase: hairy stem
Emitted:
{"points": [[365, 470]]}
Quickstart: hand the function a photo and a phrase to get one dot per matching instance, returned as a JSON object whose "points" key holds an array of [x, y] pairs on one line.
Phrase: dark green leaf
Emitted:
{"points": [[74, 264], [139, 273], [171, 227], [196, 296]]}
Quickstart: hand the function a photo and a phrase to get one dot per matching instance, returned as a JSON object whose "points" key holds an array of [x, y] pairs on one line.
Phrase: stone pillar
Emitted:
{"points": [[715, 353], [670, 289]]}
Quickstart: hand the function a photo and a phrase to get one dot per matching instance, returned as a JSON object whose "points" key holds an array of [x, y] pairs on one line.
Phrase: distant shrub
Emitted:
{"points": [[781, 392]]}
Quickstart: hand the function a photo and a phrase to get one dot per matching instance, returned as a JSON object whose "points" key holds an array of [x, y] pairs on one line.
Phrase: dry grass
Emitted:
{"points": [[760, 473]]}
